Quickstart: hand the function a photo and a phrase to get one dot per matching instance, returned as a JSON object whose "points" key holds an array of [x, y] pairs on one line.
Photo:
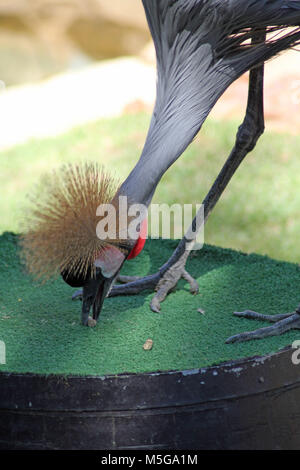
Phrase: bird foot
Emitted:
{"points": [[162, 284], [168, 283], [282, 323]]}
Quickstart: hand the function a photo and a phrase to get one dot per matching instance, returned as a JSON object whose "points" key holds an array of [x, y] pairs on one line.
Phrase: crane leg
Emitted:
{"points": [[282, 323]]}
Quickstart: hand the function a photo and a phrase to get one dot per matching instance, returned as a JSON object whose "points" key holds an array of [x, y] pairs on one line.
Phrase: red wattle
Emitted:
{"points": [[140, 243]]}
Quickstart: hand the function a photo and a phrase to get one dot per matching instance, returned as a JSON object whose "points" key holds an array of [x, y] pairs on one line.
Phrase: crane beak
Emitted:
{"points": [[93, 295], [108, 265]]}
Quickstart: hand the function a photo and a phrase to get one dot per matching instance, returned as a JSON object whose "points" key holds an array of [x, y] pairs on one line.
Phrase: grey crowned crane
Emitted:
{"points": [[202, 46]]}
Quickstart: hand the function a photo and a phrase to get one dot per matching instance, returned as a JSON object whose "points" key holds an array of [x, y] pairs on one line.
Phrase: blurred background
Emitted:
{"points": [[77, 82]]}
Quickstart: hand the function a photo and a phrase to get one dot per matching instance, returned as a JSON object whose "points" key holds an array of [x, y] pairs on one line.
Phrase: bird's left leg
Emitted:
{"points": [[282, 323]]}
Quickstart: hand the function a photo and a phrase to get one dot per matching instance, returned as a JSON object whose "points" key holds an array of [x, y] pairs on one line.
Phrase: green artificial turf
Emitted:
{"points": [[41, 328]]}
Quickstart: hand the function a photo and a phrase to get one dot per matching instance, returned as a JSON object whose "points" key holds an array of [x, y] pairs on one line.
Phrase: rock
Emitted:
{"points": [[148, 345]]}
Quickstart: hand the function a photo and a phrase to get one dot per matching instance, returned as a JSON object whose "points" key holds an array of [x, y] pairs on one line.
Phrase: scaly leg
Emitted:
{"points": [[283, 322]]}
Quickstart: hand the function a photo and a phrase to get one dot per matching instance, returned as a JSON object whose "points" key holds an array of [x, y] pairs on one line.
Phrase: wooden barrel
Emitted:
{"points": [[247, 404]]}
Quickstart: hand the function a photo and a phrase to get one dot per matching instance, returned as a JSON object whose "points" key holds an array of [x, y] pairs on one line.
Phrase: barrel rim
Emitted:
{"points": [[222, 365]]}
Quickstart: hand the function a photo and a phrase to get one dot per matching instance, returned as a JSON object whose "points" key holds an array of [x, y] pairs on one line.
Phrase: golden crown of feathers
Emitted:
{"points": [[60, 226]]}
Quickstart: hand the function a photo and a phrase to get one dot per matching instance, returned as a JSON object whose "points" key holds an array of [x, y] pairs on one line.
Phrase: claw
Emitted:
{"points": [[194, 286], [155, 305], [251, 315], [160, 296]]}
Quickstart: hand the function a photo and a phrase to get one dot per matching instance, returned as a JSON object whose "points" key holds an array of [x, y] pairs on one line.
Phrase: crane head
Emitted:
{"points": [[61, 236], [108, 264]]}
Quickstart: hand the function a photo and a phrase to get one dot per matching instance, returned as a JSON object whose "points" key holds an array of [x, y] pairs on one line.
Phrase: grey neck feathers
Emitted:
{"points": [[200, 50]]}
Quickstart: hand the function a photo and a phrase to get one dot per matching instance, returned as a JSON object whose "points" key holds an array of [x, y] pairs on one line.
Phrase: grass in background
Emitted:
{"points": [[259, 211]]}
